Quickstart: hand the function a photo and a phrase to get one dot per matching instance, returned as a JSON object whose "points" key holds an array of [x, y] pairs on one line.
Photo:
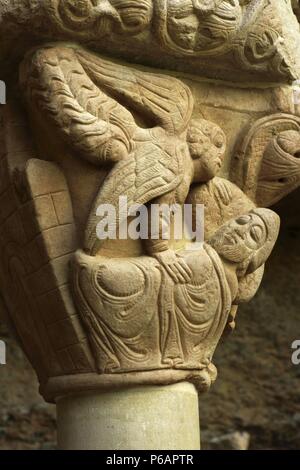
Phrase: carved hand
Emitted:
{"points": [[224, 192], [175, 266]]}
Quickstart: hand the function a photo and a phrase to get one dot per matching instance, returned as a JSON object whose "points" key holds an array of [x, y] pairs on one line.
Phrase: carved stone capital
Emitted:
{"points": [[96, 314]]}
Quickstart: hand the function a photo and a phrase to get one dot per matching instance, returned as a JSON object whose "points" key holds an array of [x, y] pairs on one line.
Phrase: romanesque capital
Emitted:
{"points": [[96, 136]]}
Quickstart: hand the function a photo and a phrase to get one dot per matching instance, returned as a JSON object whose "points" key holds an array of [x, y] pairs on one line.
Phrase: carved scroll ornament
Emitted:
{"points": [[216, 38]]}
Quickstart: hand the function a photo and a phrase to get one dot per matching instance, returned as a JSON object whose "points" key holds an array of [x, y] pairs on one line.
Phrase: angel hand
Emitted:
{"points": [[175, 266]]}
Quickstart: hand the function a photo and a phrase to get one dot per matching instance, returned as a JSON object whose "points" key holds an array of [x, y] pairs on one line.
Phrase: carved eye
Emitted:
{"points": [[256, 233], [245, 219]]}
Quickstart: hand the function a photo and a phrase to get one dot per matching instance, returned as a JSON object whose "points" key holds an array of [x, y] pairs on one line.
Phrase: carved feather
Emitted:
{"points": [[56, 84], [87, 97], [142, 177], [81, 94], [165, 100]]}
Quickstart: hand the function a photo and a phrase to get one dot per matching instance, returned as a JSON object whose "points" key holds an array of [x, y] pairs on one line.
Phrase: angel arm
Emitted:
{"points": [[95, 125], [159, 224], [159, 235]]}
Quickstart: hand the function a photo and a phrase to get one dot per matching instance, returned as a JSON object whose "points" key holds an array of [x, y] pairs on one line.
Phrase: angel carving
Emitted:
{"points": [[138, 124]]}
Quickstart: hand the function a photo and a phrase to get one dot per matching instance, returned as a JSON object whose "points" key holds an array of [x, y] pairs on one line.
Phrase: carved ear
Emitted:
{"points": [[272, 224]]}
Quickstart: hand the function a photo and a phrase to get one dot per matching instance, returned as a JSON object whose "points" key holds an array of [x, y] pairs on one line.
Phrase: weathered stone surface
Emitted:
{"points": [[257, 390], [139, 418], [232, 39], [95, 313]]}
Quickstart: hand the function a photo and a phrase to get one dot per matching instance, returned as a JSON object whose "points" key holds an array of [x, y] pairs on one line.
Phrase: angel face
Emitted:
{"points": [[207, 145]]}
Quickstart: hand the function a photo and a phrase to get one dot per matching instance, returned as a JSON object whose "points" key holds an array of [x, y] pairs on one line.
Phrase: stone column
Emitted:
{"points": [[140, 418]]}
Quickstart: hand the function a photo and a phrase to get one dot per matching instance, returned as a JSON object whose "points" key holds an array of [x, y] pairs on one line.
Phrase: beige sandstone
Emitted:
{"points": [[213, 121], [139, 418]]}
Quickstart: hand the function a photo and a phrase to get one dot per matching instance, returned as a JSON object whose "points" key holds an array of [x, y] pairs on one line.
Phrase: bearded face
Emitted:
{"points": [[239, 239]]}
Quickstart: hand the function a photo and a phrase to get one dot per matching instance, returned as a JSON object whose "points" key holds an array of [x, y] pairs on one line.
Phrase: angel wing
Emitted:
{"points": [[142, 177], [163, 99], [53, 81], [82, 94]]}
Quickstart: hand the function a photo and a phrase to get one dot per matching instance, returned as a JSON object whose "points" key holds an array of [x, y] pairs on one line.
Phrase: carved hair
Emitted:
{"points": [[272, 224], [202, 131]]}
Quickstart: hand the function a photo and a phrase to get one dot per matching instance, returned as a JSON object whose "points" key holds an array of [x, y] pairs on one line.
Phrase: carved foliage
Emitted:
{"points": [[100, 18], [197, 28], [267, 166], [246, 35]]}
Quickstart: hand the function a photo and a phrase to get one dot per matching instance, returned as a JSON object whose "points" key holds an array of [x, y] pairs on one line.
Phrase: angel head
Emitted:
{"points": [[248, 240], [207, 145]]}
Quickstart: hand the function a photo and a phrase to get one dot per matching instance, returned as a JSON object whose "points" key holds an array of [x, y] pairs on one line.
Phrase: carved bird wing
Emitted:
{"points": [[165, 101], [55, 83], [143, 177]]}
